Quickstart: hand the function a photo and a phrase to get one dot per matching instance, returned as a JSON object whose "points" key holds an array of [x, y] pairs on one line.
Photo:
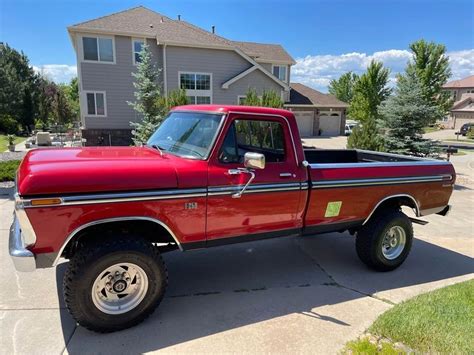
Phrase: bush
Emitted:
{"points": [[470, 133], [8, 124], [8, 170]]}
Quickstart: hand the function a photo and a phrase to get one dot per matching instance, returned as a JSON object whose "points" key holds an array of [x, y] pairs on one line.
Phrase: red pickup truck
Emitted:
{"points": [[210, 175]]}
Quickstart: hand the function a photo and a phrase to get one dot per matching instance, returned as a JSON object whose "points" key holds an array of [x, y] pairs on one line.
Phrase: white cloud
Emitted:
{"points": [[59, 73], [318, 70]]}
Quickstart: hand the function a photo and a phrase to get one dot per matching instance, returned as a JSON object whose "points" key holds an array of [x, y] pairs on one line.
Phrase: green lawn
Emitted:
{"points": [[4, 142], [431, 129], [460, 140], [441, 321], [8, 170], [366, 347]]}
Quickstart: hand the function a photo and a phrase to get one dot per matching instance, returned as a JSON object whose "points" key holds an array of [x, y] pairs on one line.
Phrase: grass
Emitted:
{"points": [[431, 129], [8, 170], [366, 347], [460, 140], [440, 321], [4, 142]]}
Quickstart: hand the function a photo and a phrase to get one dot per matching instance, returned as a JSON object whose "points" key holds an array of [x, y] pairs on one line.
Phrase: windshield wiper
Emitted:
{"points": [[157, 147]]}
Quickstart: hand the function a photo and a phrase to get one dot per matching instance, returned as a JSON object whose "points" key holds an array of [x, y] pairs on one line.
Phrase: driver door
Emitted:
{"points": [[269, 206]]}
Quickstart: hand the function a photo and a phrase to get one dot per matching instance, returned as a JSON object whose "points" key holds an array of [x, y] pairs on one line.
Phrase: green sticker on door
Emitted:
{"points": [[333, 209]]}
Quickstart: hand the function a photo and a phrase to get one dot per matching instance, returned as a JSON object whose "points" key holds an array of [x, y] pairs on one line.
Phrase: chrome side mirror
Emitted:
{"points": [[254, 160]]}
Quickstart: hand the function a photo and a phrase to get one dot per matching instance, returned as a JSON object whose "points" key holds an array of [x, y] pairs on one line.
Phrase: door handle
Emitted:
{"points": [[286, 175]]}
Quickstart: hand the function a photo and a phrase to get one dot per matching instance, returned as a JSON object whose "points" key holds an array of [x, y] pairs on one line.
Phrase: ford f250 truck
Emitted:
{"points": [[210, 175]]}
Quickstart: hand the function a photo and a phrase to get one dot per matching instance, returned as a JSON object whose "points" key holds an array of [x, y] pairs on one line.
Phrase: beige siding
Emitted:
{"points": [[117, 81]]}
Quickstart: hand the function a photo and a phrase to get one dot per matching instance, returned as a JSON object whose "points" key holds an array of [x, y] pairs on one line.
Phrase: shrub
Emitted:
{"points": [[8, 124], [470, 133], [8, 170]]}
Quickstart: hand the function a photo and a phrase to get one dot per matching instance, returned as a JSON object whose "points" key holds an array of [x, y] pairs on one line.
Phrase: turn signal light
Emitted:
{"points": [[46, 201]]}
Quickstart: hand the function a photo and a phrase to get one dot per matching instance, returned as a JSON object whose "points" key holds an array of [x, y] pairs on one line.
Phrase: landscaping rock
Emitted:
{"points": [[11, 156]]}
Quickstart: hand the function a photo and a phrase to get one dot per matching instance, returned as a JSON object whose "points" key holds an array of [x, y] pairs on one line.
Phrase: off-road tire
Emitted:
{"points": [[90, 260], [369, 239]]}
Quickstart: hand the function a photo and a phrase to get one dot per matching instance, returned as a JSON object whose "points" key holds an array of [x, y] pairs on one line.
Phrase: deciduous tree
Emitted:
{"points": [[343, 88], [369, 92], [430, 65]]}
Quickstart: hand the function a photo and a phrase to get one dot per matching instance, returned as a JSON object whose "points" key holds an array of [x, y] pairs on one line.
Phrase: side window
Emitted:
{"points": [[265, 137]]}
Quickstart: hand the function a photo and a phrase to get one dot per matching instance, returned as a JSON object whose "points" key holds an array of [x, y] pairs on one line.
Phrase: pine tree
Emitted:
{"points": [[369, 92], [405, 114], [147, 98]]}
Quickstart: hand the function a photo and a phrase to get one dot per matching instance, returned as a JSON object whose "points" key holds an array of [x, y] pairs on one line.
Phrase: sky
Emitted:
{"points": [[326, 38]]}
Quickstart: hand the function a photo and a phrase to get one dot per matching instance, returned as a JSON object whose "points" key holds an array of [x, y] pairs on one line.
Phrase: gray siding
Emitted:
{"points": [[117, 81], [255, 80], [268, 66], [223, 65]]}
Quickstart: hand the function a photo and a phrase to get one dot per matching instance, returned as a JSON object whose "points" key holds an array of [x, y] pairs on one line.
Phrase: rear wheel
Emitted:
{"points": [[114, 285], [385, 241]]}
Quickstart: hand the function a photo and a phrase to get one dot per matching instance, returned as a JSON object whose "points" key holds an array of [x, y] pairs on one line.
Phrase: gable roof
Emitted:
{"points": [[462, 83], [464, 104], [265, 52], [140, 21], [305, 96]]}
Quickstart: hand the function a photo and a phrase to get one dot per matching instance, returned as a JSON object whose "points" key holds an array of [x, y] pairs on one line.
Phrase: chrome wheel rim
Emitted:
{"points": [[394, 242], [119, 288]]}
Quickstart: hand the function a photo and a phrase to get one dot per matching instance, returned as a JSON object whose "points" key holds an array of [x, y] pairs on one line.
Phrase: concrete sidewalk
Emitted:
{"points": [[289, 295]]}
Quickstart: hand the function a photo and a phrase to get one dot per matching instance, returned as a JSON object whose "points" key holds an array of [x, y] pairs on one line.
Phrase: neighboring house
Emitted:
{"points": [[316, 113], [462, 111], [210, 68]]}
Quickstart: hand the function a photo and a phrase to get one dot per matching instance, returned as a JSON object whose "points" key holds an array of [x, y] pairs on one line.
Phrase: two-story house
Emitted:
{"points": [[212, 70], [462, 111]]}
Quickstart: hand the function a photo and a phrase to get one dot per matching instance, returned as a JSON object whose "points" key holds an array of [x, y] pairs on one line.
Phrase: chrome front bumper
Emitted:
{"points": [[23, 259]]}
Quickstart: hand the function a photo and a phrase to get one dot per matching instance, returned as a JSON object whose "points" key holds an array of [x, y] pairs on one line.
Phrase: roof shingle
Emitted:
{"points": [[303, 95], [462, 83], [145, 22]]}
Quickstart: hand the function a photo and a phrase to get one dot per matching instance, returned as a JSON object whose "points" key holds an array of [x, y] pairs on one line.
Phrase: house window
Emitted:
{"points": [[198, 87], [280, 72], [96, 104], [98, 49], [241, 99], [137, 45]]}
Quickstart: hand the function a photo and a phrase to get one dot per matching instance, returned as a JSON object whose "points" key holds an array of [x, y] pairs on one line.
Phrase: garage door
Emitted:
{"points": [[330, 123], [461, 121], [305, 120]]}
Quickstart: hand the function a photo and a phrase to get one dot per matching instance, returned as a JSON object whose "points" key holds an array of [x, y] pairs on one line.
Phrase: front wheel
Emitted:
{"points": [[385, 241], [114, 285]]}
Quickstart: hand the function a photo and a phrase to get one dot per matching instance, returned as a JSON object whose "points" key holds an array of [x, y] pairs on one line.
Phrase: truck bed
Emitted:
{"points": [[347, 156], [346, 185]]}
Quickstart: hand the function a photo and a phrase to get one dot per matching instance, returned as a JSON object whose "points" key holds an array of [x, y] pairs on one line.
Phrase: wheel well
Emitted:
{"points": [[395, 202], [147, 229]]}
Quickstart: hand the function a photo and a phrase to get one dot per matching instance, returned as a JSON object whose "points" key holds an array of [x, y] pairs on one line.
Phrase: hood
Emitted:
{"points": [[94, 169]]}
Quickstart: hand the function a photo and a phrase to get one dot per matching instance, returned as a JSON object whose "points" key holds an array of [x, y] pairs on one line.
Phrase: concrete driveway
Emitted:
{"points": [[289, 295]]}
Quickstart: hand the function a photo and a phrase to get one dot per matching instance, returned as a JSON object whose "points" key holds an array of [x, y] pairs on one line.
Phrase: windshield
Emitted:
{"points": [[187, 134]]}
